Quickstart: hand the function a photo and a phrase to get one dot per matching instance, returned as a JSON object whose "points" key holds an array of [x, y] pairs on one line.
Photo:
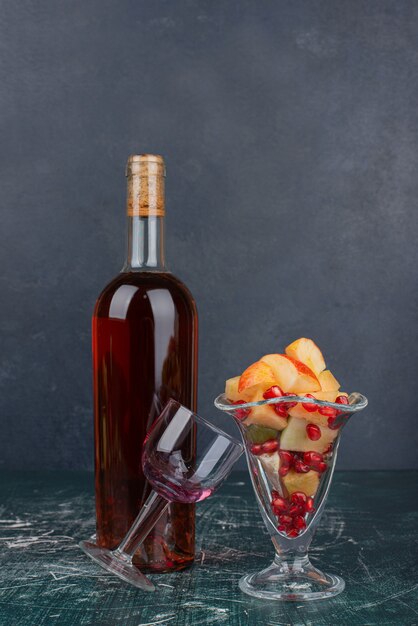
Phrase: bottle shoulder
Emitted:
{"points": [[129, 287]]}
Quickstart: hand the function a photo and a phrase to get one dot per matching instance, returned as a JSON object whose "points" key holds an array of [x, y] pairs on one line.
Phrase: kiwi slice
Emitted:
{"points": [[260, 434]]}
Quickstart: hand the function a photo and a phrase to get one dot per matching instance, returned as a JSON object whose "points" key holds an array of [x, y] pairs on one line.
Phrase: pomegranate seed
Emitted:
{"points": [[328, 449], [328, 411], [332, 424], [299, 522], [322, 467], [282, 528], [286, 457], [313, 431], [286, 520], [301, 467], [312, 458], [293, 532], [290, 405], [270, 446], [311, 408], [298, 497], [309, 505], [342, 400], [281, 409], [274, 494], [280, 504], [241, 414], [256, 449], [284, 469], [273, 392], [296, 509]]}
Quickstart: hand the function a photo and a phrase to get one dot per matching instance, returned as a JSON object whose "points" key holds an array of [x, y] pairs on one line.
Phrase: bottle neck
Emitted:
{"points": [[145, 244]]}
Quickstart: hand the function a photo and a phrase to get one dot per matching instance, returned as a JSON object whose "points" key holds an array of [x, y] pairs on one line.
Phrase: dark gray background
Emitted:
{"points": [[290, 135]]}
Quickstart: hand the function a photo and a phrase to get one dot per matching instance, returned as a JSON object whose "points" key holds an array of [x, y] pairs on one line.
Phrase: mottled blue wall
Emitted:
{"points": [[290, 133]]}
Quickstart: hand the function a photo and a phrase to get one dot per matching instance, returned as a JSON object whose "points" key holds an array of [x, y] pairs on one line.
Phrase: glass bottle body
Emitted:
{"points": [[144, 352]]}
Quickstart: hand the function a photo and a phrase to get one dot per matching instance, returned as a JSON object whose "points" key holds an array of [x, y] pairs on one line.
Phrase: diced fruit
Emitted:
{"points": [[299, 522], [281, 410], [328, 381], [286, 457], [292, 375], [309, 505], [298, 497], [313, 431], [280, 505], [328, 411], [273, 392], [265, 415], [295, 437], [271, 466], [312, 459], [259, 434], [241, 414], [342, 400], [300, 467], [232, 393], [306, 351], [231, 389], [329, 396], [308, 483], [259, 373], [309, 406], [270, 446]]}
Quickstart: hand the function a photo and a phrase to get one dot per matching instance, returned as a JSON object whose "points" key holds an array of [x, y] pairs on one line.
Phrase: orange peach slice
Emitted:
{"points": [[328, 381], [292, 375], [306, 351], [257, 374]]}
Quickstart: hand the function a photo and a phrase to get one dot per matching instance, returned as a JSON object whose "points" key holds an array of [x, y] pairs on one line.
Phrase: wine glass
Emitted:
{"points": [[185, 459], [291, 483]]}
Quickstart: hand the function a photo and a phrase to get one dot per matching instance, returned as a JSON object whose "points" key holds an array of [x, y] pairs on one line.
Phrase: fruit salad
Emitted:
{"points": [[292, 441]]}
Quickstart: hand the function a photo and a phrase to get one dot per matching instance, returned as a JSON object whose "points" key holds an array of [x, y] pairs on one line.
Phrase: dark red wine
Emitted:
{"points": [[144, 352]]}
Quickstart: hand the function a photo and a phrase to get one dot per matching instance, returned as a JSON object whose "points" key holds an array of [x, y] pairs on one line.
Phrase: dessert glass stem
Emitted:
{"points": [[145, 521]]}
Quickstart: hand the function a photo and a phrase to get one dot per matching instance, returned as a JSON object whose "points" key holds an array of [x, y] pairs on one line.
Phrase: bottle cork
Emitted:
{"points": [[145, 174]]}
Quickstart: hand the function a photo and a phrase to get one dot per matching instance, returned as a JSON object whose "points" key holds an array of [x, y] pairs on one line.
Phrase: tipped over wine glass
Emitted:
{"points": [[185, 459]]}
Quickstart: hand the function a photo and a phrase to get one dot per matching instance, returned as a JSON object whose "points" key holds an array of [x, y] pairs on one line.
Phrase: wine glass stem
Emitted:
{"points": [[145, 521]]}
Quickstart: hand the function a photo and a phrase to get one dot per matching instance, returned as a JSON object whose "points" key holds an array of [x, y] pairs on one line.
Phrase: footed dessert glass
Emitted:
{"points": [[291, 488]]}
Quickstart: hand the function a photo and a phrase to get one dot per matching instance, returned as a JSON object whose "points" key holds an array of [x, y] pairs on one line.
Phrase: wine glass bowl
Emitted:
{"points": [[185, 457], [291, 484]]}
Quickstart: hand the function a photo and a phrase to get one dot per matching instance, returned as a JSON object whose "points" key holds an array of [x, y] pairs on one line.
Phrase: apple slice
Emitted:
{"points": [[271, 465], [295, 438], [292, 375], [255, 375], [232, 393], [306, 351], [308, 483], [265, 415], [328, 381]]}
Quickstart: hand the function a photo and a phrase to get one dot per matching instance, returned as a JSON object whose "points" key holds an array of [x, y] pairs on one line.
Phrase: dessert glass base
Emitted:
{"points": [[295, 580], [291, 483]]}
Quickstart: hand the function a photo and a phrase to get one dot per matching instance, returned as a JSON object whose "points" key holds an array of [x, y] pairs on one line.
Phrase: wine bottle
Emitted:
{"points": [[145, 333]]}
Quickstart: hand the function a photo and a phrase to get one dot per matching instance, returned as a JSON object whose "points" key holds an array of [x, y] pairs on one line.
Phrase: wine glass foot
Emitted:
{"points": [[115, 563], [289, 583]]}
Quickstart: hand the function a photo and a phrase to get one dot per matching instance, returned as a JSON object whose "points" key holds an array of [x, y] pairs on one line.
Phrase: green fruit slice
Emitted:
{"points": [[260, 434]]}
